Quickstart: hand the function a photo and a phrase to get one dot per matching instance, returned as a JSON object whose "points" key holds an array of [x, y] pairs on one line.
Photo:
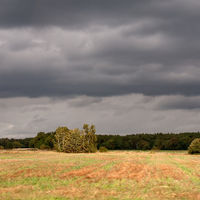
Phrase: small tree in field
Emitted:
{"points": [[60, 135], [73, 142], [194, 146], [76, 140], [90, 138]]}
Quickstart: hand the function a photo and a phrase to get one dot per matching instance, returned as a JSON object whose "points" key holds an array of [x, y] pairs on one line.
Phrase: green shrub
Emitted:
{"points": [[143, 145], [16, 144], [155, 148], [44, 147], [1, 147], [194, 146], [103, 149]]}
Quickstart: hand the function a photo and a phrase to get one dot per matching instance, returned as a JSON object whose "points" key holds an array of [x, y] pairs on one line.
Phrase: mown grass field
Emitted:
{"points": [[45, 175]]}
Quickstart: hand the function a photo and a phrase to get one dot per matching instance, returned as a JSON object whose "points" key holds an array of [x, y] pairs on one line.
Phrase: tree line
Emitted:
{"points": [[158, 141]]}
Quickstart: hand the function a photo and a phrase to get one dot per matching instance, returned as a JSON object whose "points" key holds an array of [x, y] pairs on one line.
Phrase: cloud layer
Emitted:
{"points": [[97, 48], [101, 49], [24, 117]]}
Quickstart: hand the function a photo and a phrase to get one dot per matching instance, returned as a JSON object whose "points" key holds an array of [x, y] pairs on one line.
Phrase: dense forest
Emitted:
{"points": [[158, 141]]}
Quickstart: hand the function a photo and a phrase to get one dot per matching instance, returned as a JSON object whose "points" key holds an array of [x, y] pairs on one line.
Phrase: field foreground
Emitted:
{"points": [[43, 175]]}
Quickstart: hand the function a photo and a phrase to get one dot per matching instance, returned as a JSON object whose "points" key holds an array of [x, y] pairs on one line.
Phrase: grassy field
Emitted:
{"points": [[43, 175]]}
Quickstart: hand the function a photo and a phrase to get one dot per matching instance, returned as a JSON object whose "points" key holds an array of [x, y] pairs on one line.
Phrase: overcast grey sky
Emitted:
{"points": [[125, 66]]}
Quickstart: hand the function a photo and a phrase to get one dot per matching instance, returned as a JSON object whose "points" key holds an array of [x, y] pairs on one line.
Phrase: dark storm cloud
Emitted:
{"points": [[72, 13], [80, 13], [62, 13], [179, 102], [36, 83], [99, 48]]}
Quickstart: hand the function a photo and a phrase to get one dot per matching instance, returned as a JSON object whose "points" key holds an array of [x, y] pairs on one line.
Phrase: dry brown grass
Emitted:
{"points": [[113, 175], [127, 170]]}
